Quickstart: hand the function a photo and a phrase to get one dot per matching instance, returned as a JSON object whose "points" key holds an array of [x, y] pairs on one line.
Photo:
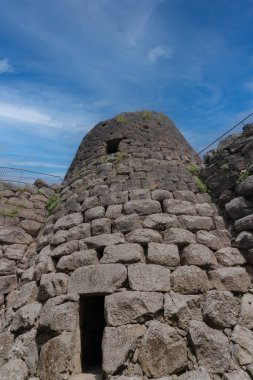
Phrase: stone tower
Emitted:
{"points": [[135, 275]]}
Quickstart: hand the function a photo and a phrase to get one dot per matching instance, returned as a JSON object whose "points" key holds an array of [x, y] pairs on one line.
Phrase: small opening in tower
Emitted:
{"points": [[113, 145], [145, 126], [92, 324]]}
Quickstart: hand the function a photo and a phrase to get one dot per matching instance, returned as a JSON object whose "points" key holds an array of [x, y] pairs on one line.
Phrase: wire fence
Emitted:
{"points": [[236, 128], [22, 176]]}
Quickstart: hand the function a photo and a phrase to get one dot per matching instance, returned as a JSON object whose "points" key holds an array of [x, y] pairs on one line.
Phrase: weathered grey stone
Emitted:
{"points": [[59, 237], [142, 207], [243, 338], [245, 188], [245, 223], [139, 194], [229, 257], [14, 369], [163, 254], [123, 253], [185, 195], [160, 221], [7, 267], [221, 309], [60, 314], [7, 284], [198, 254], [244, 240], [195, 222], [79, 232], [179, 236], [127, 223], [31, 226], [100, 226], [97, 279], [180, 309], [55, 357], [162, 351], [26, 294], [14, 235], [234, 279], [118, 342], [209, 239], [68, 221], [101, 241], [198, 374], [25, 348], [160, 195], [211, 347], [90, 202], [144, 236], [178, 207], [236, 375], [149, 277], [26, 316], [94, 213], [65, 248], [204, 209], [132, 307], [52, 285], [45, 263], [114, 197], [246, 314], [14, 251], [78, 259], [189, 280], [6, 343], [113, 211], [238, 208]]}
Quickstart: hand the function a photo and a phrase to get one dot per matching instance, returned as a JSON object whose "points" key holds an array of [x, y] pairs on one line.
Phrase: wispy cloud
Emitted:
{"points": [[249, 85], [159, 52], [39, 164], [5, 66], [22, 114]]}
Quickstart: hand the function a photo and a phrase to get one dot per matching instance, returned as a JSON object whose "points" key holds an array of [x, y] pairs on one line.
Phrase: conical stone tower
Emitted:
{"points": [[135, 272]]}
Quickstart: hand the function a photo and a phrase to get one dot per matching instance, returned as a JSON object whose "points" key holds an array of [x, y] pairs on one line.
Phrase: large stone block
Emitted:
{"points": [[160, 221], [131, 307], [244, 240], [14, 251], [68, 221], [142, 207], [162, 351], [78, 232], [26, 316], [236, 375], [234, 279], [14, 369], [149, 277], [246, 314], [60, 314], [221, 309], [7, 267], [245, 188], [200, 255], [243, 338], [14, 235], [179, 236], [209, 239], [7, 284], [25, 348], [179, 207], [127, 223], [144, 236], [118, 342], [97, 279], [101, 241], [26, 294], [189, 280], [78, 259], [123, 253], [6, 343], [244, 224], [65, 248], [230, 257], [211, 347], [199, 374], [163, 254], [195, 222], [52, 285]]}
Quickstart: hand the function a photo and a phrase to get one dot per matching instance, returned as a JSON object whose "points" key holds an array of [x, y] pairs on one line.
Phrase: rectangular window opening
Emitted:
{"points": [[113, 145], [92, 324]]}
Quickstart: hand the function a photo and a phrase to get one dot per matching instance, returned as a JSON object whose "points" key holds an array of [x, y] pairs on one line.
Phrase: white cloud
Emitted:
{"points": [[159, 52], [249, 85], [5, 66], [39, 163], [24, 114]]}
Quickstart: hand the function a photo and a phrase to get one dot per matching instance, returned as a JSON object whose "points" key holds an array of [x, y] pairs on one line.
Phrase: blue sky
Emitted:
{"points": [[67, 64]]}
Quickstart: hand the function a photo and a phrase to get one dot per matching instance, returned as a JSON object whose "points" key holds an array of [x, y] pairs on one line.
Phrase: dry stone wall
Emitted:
{"points": [[131, 226]]}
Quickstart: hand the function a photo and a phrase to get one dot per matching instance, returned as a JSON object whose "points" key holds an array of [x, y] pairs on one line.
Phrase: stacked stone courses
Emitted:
{"points": [[131, 226]]}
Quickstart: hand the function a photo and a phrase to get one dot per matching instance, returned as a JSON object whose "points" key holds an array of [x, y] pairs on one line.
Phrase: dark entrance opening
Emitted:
{"points": [[92, 324], [113, 145]]}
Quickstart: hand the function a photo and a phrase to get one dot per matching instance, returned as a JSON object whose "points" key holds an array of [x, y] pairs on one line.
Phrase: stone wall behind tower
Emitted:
{"points": [[132, 226]]}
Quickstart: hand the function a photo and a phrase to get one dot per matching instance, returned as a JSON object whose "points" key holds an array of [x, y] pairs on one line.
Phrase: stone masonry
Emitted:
{"points": [[131, 226]]}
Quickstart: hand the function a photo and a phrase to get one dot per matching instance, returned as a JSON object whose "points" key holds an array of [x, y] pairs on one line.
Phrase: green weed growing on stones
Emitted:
{"points": [[120, 119], [201, 186], [51, 204], [244, 174], [193, 168]]}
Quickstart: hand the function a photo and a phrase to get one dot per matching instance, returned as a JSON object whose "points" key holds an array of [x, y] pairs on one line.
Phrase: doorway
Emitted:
{"points": [[92, 324]]}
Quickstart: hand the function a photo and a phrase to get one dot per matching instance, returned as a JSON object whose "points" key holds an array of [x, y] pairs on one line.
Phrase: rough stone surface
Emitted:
{"points": [[101, 241], [152, 278], [14, 369], [198, 254], [144, 236], [101, 279], [211, 347], [162, 350], [189, 280], [234, 279], [246, 314], [179, 236], [243, 338], [118, 342], [123, 253], [77, 259], [142, 207], [132, 307], [163, 254], [229, 257], [53, 284]]}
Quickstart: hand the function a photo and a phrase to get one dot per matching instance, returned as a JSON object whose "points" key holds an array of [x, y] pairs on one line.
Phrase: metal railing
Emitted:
{"points": [[236, 128], [22, 176]]}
